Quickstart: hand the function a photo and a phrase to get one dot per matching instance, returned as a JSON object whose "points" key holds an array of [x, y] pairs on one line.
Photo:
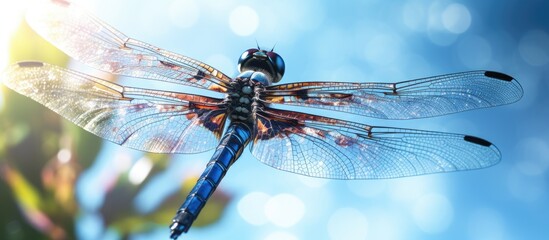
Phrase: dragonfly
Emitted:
{"points": [[251, 109]]}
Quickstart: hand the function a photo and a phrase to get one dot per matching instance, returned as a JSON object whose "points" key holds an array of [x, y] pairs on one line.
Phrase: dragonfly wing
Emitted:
{"points": [[95, 43], [143, 119], [426, 97], [330, 148]]}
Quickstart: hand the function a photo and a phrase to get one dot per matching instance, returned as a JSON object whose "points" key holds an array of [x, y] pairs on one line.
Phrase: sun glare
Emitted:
{"points": [[11, 13]]}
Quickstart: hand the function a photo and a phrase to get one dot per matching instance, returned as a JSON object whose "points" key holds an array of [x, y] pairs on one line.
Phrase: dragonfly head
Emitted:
{"points": [[268, 62]]}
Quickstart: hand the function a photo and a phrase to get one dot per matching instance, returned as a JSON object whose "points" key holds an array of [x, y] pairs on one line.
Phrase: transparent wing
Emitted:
{"points": [[93, 42], [426, 97], [329, 148], [143, 119]]}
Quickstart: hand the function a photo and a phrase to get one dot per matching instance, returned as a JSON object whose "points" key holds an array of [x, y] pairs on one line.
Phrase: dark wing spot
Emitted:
{"points": [[340, 95], [498, 75], [477, 140], [345, 141], [199, 75], [393, 90], [30, 64], [302, 94], [169, 64]]}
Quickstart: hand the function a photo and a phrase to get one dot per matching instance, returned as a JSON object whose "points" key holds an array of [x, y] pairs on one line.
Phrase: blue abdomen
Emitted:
{"points": [[229, 149]]}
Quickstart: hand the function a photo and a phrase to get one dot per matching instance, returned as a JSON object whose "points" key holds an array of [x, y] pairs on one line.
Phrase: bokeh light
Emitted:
{"points": [[284, 210], [414, 15], [244, 20], [184, 13], [456, 18], [140, 170], [433, 213], [348, 223], [411, 190], [64, 155], [11, 13], [251, 207], [281, 236]]}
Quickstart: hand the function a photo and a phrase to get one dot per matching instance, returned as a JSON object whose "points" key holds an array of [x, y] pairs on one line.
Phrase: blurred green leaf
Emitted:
{"points": [[30, 138]]}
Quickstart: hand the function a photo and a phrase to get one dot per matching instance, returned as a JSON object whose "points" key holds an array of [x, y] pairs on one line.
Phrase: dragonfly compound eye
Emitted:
{"points": [[245, 57], [278, 64], [260, 60]]}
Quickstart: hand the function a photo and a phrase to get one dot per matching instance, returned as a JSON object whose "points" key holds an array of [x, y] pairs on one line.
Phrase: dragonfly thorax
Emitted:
{"points": [[243, 94]]}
